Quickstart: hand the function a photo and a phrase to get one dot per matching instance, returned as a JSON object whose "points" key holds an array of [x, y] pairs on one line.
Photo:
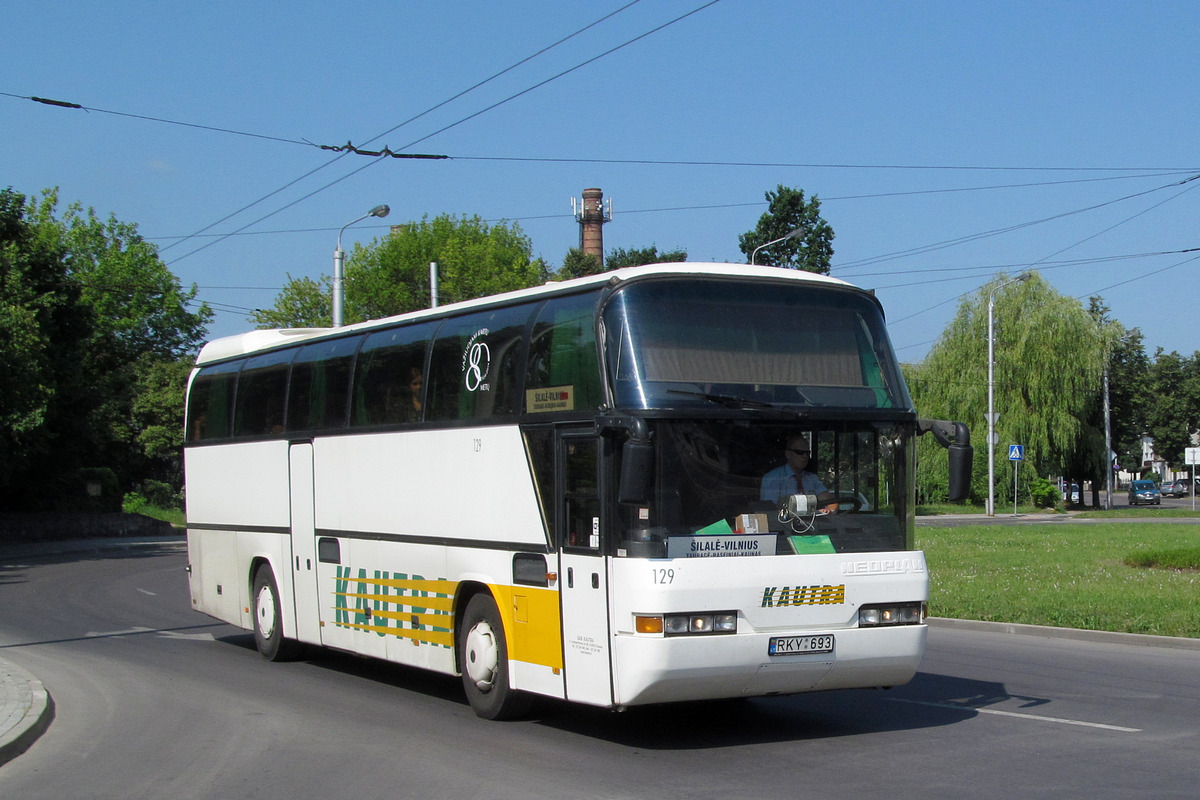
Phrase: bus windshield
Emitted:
{"points": [[714, 477], [679, 343]]}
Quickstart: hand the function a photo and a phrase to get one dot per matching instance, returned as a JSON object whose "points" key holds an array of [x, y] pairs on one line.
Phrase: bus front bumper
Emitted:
{"points": [[672, 669]]}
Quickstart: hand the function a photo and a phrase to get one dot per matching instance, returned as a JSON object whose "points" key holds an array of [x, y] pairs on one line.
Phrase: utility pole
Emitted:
{"points": [[1108, 451]]}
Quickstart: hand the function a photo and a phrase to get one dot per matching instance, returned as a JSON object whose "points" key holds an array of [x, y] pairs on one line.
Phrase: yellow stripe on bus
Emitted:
{"points": [[530, 614], [532, 621]]}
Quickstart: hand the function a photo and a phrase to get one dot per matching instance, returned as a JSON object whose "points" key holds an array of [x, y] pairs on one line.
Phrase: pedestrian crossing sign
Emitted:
{"points": [[1016, 452]]}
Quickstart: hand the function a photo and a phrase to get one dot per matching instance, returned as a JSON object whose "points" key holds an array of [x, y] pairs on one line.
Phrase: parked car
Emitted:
{"points": [[1175, 489], [1144, 492], [1074, 491]]}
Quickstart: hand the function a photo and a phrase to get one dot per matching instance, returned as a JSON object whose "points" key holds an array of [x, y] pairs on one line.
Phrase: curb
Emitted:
{"points": [[26, 710], [33, 550], [1074, 634]]}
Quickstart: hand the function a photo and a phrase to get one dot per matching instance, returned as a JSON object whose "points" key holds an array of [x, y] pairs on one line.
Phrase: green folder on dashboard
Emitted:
{"points": [[808, 545]]}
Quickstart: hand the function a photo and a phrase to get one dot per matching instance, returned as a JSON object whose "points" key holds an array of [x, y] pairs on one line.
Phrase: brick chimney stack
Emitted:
{"points": [[592, 215]]}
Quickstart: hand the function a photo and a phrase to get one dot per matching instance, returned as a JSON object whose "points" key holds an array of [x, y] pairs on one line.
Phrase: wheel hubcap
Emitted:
{"points": [[265, 612], [482, 656]]}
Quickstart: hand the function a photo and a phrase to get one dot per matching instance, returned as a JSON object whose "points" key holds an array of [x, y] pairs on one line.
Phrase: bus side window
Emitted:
{"points": [[562, 352], [320, 385], [473, 369], [388, 378], [261, 394], [210, 401], [539, 446]]}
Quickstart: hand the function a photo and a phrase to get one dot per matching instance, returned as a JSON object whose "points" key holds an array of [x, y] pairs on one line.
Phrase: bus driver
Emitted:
{"points": [[794, 478]]}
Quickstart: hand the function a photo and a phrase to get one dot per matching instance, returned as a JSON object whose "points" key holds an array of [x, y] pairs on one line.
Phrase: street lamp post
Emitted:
{"points": [[339, 264], [790, 235], [990, 504]]}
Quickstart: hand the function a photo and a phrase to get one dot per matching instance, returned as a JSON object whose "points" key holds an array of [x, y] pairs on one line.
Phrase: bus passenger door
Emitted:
{"points": [[583, 572], [304, 556]]}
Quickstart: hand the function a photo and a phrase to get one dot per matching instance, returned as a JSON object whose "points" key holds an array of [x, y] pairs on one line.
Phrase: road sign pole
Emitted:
{"points": [[1016, 466], [1016, 454], [1191, 457]]}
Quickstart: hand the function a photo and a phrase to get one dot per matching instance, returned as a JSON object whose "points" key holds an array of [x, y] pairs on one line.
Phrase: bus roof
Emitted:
{"points": [[254, 341]]}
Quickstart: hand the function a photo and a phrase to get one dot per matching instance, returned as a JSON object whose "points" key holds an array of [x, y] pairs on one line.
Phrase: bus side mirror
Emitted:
{"points": [[637, 471], [956, 438], [960, 457]]}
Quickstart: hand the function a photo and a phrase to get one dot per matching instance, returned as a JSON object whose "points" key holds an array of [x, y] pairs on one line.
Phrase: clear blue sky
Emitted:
{"points": [[947, 141]]}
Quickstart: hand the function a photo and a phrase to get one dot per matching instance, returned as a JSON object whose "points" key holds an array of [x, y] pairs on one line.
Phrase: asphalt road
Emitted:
{"points": [[156, 701]]}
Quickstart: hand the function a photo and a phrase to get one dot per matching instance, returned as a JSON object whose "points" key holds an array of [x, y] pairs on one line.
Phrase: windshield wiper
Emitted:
{"points": [[729, 401]]}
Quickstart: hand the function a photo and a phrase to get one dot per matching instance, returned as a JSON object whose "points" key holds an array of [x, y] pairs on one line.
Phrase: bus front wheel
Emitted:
{"points": [[483, 657], [268, 621]]}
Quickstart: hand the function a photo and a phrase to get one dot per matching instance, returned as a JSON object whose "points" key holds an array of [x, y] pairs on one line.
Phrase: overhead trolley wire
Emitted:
{"points": [[464, 119], [408, 121], [997, 231], [1185, 182]]}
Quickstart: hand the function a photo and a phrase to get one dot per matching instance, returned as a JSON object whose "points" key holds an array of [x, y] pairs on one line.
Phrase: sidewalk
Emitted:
{"points": [[26, 710]]}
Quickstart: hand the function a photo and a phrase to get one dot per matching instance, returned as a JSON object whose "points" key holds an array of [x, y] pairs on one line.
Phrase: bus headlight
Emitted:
{"points": [[697, 624], [890, 614]]}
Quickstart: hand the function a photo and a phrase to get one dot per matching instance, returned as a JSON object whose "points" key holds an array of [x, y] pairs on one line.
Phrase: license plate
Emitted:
{"points": [[799, 645]]}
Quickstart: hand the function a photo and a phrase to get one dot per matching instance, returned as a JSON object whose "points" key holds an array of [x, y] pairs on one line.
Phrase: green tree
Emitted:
{"points": [[634, 257], [1047, 374], [1174, 415], [1128, 392], [43, 329], [156, 418], [391, 275], [302, 303], [577, 264], [117, 310], [142, 320], [809, 242]]}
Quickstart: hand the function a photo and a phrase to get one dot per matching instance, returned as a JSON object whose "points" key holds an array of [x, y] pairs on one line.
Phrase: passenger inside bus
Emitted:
{"points": [[408, 408]]}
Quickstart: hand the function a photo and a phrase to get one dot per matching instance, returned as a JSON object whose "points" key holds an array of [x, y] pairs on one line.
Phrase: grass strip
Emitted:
{"points": [[1104, 576]]}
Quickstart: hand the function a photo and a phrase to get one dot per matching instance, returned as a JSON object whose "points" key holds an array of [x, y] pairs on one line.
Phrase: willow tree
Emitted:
{"points": [[1048, 369]]}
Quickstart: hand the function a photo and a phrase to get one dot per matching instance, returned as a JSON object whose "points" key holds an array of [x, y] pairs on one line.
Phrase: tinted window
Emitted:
{"points": [[581, 497], [473, 368], [539, 445], [210, 401], [261, 393], [389, 376], [319, 394], [564, 371], [671, 343]]}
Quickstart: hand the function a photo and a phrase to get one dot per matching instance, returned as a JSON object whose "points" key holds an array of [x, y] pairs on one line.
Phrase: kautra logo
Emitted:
{"points": [[396, 604], [774, 596]]}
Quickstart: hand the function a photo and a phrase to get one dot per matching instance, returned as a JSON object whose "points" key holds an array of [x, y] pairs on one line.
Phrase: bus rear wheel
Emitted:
{"points": [[483, 658], [268, 620]]}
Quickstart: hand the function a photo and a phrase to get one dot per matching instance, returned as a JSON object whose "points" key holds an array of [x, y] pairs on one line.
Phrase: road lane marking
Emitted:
{"points": [[1035, 717], [190, 637], [126, 632]]}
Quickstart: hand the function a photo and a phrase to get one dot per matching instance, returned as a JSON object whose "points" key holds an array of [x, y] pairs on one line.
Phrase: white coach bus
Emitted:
{"points": [[560, 491]]}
